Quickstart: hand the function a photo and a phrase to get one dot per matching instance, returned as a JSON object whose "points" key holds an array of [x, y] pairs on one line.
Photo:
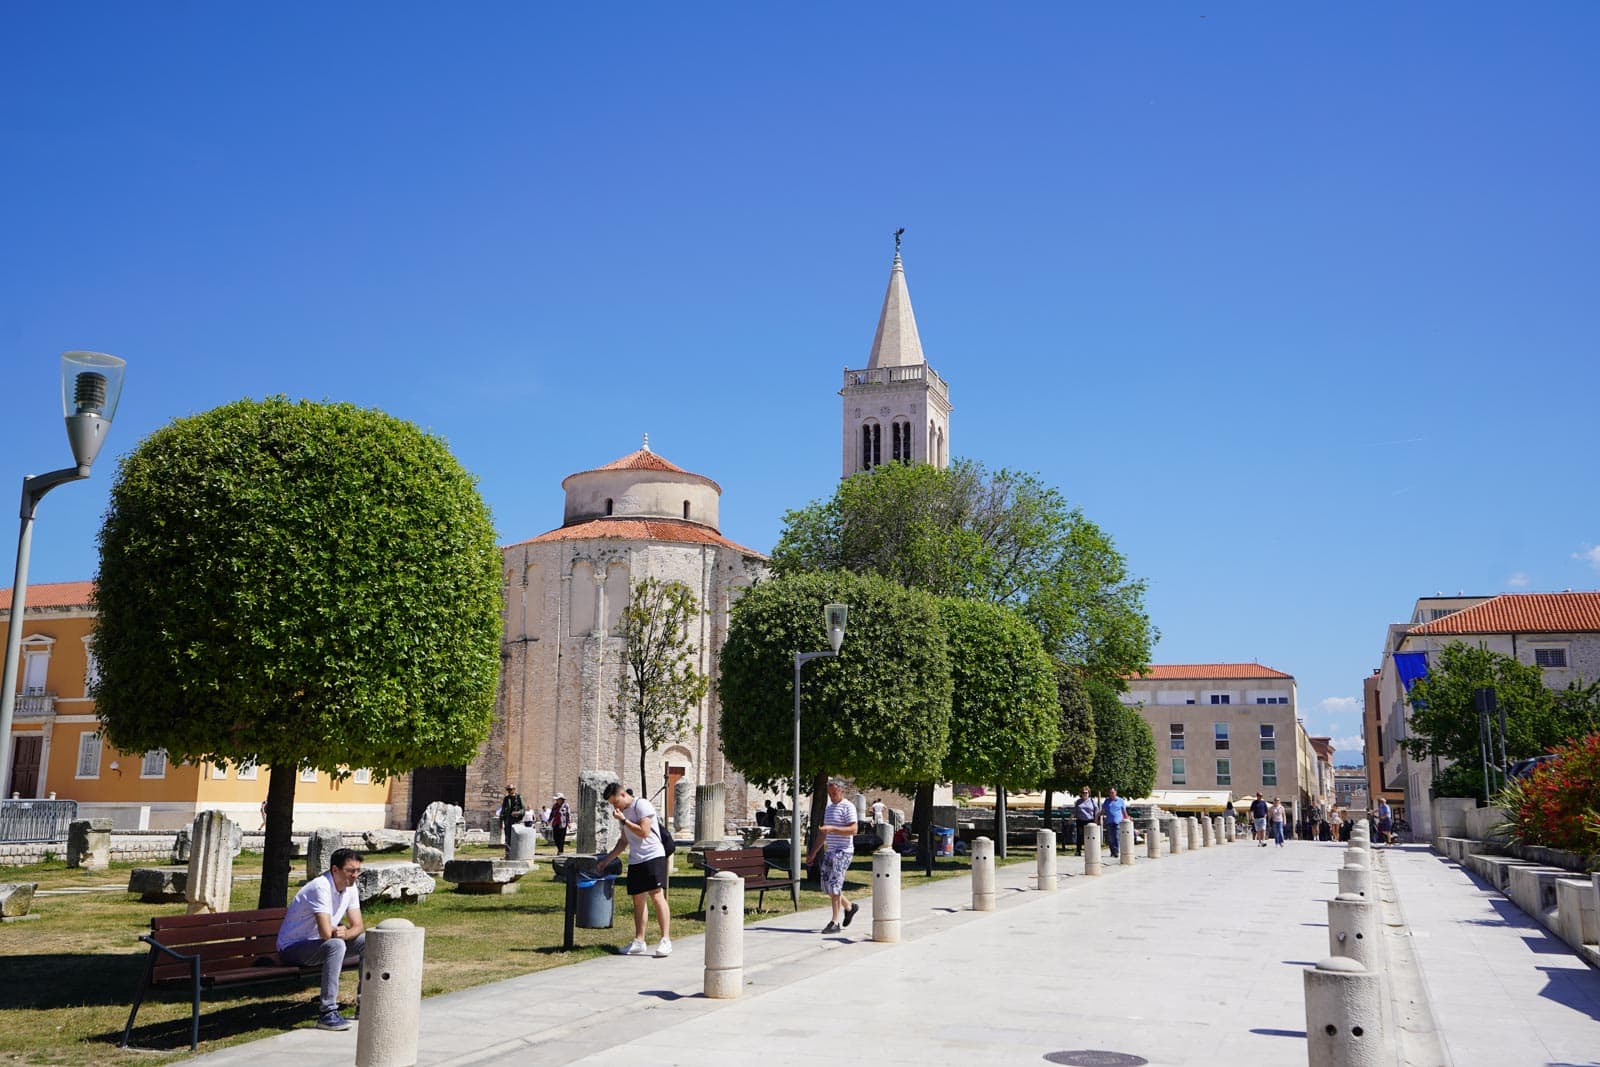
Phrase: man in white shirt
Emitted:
{"points": [[836, 842], [324, 925], [647, 865]]}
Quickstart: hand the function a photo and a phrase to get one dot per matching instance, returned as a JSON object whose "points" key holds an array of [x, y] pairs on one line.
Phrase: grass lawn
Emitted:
{"points": [[67, 980]]}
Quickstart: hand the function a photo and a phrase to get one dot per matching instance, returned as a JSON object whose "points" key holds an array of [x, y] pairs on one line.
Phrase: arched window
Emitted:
{"points": [[608, 505], [871, 445], [686, 509], [900, 435]]}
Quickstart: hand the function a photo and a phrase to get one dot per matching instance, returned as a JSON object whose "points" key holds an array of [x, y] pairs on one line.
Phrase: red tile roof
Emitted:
{"points": [[1522, 613], [645, 460], [642, 530], [1165, 671], [52, 595]]}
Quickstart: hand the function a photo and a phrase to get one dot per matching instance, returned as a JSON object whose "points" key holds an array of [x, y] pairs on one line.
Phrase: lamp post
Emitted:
{"points": [[834, 617], [91, 385]]}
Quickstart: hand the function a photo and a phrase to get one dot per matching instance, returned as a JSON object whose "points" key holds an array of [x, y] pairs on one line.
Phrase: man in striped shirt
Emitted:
{"points": [[836, 842]]}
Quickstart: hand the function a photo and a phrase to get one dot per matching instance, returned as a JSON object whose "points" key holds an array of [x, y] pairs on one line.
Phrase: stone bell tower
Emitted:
{"points": [[896, 409]]}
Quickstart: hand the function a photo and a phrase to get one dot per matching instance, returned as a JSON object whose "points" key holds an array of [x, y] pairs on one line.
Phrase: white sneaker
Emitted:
{"points": [[664, 947], [635, 948]]}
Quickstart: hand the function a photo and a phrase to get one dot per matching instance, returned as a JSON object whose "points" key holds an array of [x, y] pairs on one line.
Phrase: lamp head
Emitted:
{"points": [[91, 386], [836, 615]]}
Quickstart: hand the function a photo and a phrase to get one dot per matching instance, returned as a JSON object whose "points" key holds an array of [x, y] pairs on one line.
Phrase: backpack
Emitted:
{"points": [[668, 844]]}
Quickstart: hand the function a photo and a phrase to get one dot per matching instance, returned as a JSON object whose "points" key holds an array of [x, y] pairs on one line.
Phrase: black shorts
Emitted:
{"points": [[647, 875]]}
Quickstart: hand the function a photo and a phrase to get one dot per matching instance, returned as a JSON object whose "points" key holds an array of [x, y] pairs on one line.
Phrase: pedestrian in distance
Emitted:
{"points": [[512, 809], [322, 927], [1258, 820], [836, 842], [1115, 809], [647, 865], [560, 819], [1085, 810], [1279, 816], [1385, 822]]}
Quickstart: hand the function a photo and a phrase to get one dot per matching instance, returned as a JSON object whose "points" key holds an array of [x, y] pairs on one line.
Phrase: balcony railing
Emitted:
{"points": [[35, 705], [895, 375]]}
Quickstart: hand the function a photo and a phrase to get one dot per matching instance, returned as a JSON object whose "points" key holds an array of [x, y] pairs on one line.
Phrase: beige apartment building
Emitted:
{"points": [[1229, 726]]}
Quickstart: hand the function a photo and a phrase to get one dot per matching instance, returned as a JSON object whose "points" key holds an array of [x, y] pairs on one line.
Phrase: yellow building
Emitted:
{"points": [[57, 750]]}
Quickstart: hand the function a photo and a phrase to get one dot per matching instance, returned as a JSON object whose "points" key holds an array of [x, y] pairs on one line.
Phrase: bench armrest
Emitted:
{"points": [[153, 943]]}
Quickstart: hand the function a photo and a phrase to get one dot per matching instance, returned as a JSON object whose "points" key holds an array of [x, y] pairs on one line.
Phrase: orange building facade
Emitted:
{"points": [[57, 748]]}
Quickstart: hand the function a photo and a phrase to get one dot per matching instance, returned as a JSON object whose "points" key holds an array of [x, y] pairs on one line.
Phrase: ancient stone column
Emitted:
{"points": [[89, 844], [982, 874], [1344, 1022], [210, 884], [724, 968], [320, 847], [597, 829], [1045, 843], [523, 844], [1125, 842], [435, 842], [886, 896], [1353, 930], [682, 804], [391, 995], [711, 815], [1091, 848]]}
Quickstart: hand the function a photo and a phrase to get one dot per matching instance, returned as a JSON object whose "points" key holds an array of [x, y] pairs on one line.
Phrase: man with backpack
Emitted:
{"points": [[648, 855]]}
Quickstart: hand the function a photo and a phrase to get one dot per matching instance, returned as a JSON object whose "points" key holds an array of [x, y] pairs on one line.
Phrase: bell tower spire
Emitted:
{"points": [[896, 409]]}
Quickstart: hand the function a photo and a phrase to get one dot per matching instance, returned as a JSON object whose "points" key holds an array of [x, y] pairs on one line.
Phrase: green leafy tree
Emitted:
{"points": [[1004, 715], [1001, 537], [297, 585], [660, 685], [879, 712], [1073, 760], [1444, 720], [1124, 747]]}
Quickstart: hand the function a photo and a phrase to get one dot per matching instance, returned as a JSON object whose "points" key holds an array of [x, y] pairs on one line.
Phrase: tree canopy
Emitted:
{"points": [[297, 585], [660, 684], [1001, 537], [1073, 760], [1004, 715], [1124, 747], [879, 712]]}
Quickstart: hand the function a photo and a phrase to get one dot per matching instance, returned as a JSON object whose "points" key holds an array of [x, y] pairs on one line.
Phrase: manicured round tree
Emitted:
{"points": [[1074, 755], [1124, 747], [880, 712], [299, 585]]}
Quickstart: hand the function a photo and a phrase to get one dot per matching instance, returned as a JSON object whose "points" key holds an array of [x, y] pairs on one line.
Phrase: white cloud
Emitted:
{"points": [[1348, 750], [1519, 580], [1589, 554], [1339, 705]]}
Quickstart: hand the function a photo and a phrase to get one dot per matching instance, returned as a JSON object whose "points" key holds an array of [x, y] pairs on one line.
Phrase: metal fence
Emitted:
{"points": [[35, 820]]}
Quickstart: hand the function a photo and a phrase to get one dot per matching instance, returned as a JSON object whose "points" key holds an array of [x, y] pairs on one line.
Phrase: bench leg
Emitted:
{"points": [[194, 1025], [138, 999]]}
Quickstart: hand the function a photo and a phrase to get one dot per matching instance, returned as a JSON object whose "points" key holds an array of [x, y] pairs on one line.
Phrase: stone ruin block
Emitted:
{"points": [[597, 829], [395, 880], [89, 844], [440, 827], [15, 900], [159, 885], [320, 847], [374, 841], [485, 875]]}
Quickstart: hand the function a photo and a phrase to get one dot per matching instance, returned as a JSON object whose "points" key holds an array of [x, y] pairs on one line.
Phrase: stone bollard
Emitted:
{"points": [[89, 844], [1125, 841], [982, 874], [1343, 1015], [1216, 830], [522, 844], [1355, 857], [1231, 825], [1205, 833], [1192, 826], [1175, 834], [1152, 841], [1355, 879], [886, 896], [1353, 929], [1045, 843], [210, 884], [391, 995], [724, 978], [1091, 849]]}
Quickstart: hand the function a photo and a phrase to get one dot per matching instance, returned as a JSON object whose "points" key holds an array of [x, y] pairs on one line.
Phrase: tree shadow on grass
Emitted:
{"points": [[69, 979]]}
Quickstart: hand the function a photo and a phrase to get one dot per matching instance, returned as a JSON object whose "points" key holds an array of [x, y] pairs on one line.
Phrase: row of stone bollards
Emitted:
{"points": [[1344, 993]]}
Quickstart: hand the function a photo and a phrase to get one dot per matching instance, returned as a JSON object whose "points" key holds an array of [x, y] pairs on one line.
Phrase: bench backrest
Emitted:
{"points": [[227, 941], [745, 862]]}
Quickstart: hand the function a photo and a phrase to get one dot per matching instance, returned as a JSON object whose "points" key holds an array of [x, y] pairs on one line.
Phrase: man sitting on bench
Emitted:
{"points": [[322, 925]]}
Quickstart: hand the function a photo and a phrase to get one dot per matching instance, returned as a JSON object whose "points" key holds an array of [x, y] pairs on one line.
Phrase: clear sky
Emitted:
{"points": [[1298, 301]]}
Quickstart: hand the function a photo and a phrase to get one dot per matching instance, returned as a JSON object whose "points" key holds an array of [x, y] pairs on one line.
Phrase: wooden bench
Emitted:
{"points": [[227, 948], [750, 864]]}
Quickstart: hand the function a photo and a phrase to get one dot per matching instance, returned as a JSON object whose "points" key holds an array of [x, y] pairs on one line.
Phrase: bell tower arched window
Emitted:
{"points": [[900, 437], [871, 446]]}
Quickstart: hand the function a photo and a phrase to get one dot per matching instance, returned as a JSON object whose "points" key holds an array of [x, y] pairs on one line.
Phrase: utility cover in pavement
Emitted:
{"points": [[1095, 1057]]}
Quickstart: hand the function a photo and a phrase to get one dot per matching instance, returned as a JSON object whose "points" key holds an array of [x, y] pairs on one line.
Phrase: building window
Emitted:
{"points": [[1269, 737], [686, 510], [900, 437], [1179, 776], [871, 445], [608, 505], [308, 774], [1221, 698], [89, 755], [247, 771], [1269, 772], [91, 667], [1271, 700], [362, 776], [155, 764], [1220, 735], [219, 771], [1175, 736], [1224, 772], [1549, 657]]}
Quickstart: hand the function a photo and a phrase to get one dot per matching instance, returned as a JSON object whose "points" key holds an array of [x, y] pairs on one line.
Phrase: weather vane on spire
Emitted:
{"points": [[897, 234]]}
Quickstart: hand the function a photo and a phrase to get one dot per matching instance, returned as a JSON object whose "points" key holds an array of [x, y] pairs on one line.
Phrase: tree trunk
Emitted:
{"points": [[1000, 822], [644, 786], [922, 825], [819, 805], [279, 849]]}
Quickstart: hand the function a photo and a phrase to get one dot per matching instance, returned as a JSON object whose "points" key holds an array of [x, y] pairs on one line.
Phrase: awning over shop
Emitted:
{"points": [[1208, 800]]}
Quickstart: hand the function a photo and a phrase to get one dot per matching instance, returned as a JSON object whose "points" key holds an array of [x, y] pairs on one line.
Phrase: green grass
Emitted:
{"points": [[67, 980]]}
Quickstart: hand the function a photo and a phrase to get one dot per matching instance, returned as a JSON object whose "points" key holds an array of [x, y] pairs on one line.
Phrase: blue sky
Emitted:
{"points": [[1298, 302]]}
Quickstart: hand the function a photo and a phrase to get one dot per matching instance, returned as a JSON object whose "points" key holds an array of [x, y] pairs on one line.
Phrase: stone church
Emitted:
{"points": [[638, 517]]}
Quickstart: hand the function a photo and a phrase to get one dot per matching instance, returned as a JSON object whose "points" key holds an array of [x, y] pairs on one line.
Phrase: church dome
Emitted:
{"points": [[641, 485]]}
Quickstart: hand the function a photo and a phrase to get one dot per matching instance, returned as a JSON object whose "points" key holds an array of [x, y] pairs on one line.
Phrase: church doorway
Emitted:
{"points": [[429, 784], [674, 775]]}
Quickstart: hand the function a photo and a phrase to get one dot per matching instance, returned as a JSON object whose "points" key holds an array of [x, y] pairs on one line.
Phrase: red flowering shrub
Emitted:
{"points": [[1558, 805]]}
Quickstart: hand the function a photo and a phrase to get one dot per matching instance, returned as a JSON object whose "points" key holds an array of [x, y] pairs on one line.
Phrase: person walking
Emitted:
{"points": [[1085, 810], [647, 865], [1385, 821], [836, 842], [1279, 817], [560, 819], [512, 809], [1115, 809], [1258, 820]]}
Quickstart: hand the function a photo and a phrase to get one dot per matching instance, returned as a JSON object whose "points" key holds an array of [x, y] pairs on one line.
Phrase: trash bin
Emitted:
{"points": [[944, 840], [595, 901]]}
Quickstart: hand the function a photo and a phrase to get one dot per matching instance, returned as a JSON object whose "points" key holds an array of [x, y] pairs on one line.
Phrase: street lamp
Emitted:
{"points": [[834, 618], [91, 385]]}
